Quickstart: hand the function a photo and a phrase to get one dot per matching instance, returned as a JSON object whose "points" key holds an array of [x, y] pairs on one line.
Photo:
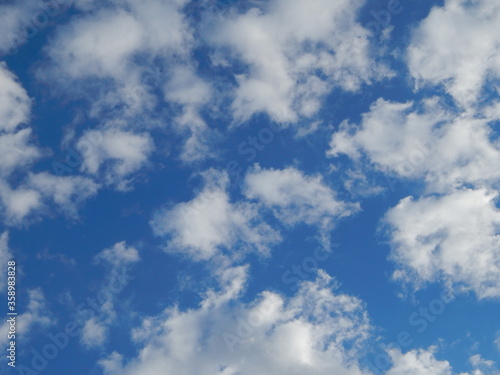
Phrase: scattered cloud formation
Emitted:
{"points": [[144, 106], [96, 323], [317, 331], [456, 239], [18, 153], [153, 54]]}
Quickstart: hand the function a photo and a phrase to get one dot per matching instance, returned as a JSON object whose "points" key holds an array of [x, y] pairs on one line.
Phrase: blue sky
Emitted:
{"points": [[251, 187]]}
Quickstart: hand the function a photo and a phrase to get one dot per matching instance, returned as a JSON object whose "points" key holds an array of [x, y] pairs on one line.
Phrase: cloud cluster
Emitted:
{"points": [[21, 193], [423, 141], [450, 234], [133, 56], [317, 331], [294, 53], [457, 46]]}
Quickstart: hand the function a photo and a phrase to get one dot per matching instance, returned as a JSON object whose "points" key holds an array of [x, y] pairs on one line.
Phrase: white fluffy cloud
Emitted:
{"points": [[103, 42], [417, 362], [297, 198], [317, 331], [94, 333], [119, 255], [18, 203], [458, 46], [15, 104], [16, 151], [37, 312], [40, 191], [209, 223], [424, 362], [296, 52], [422, 141], [452, 238], [97, 45], [66, 191], [125, 152]]}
